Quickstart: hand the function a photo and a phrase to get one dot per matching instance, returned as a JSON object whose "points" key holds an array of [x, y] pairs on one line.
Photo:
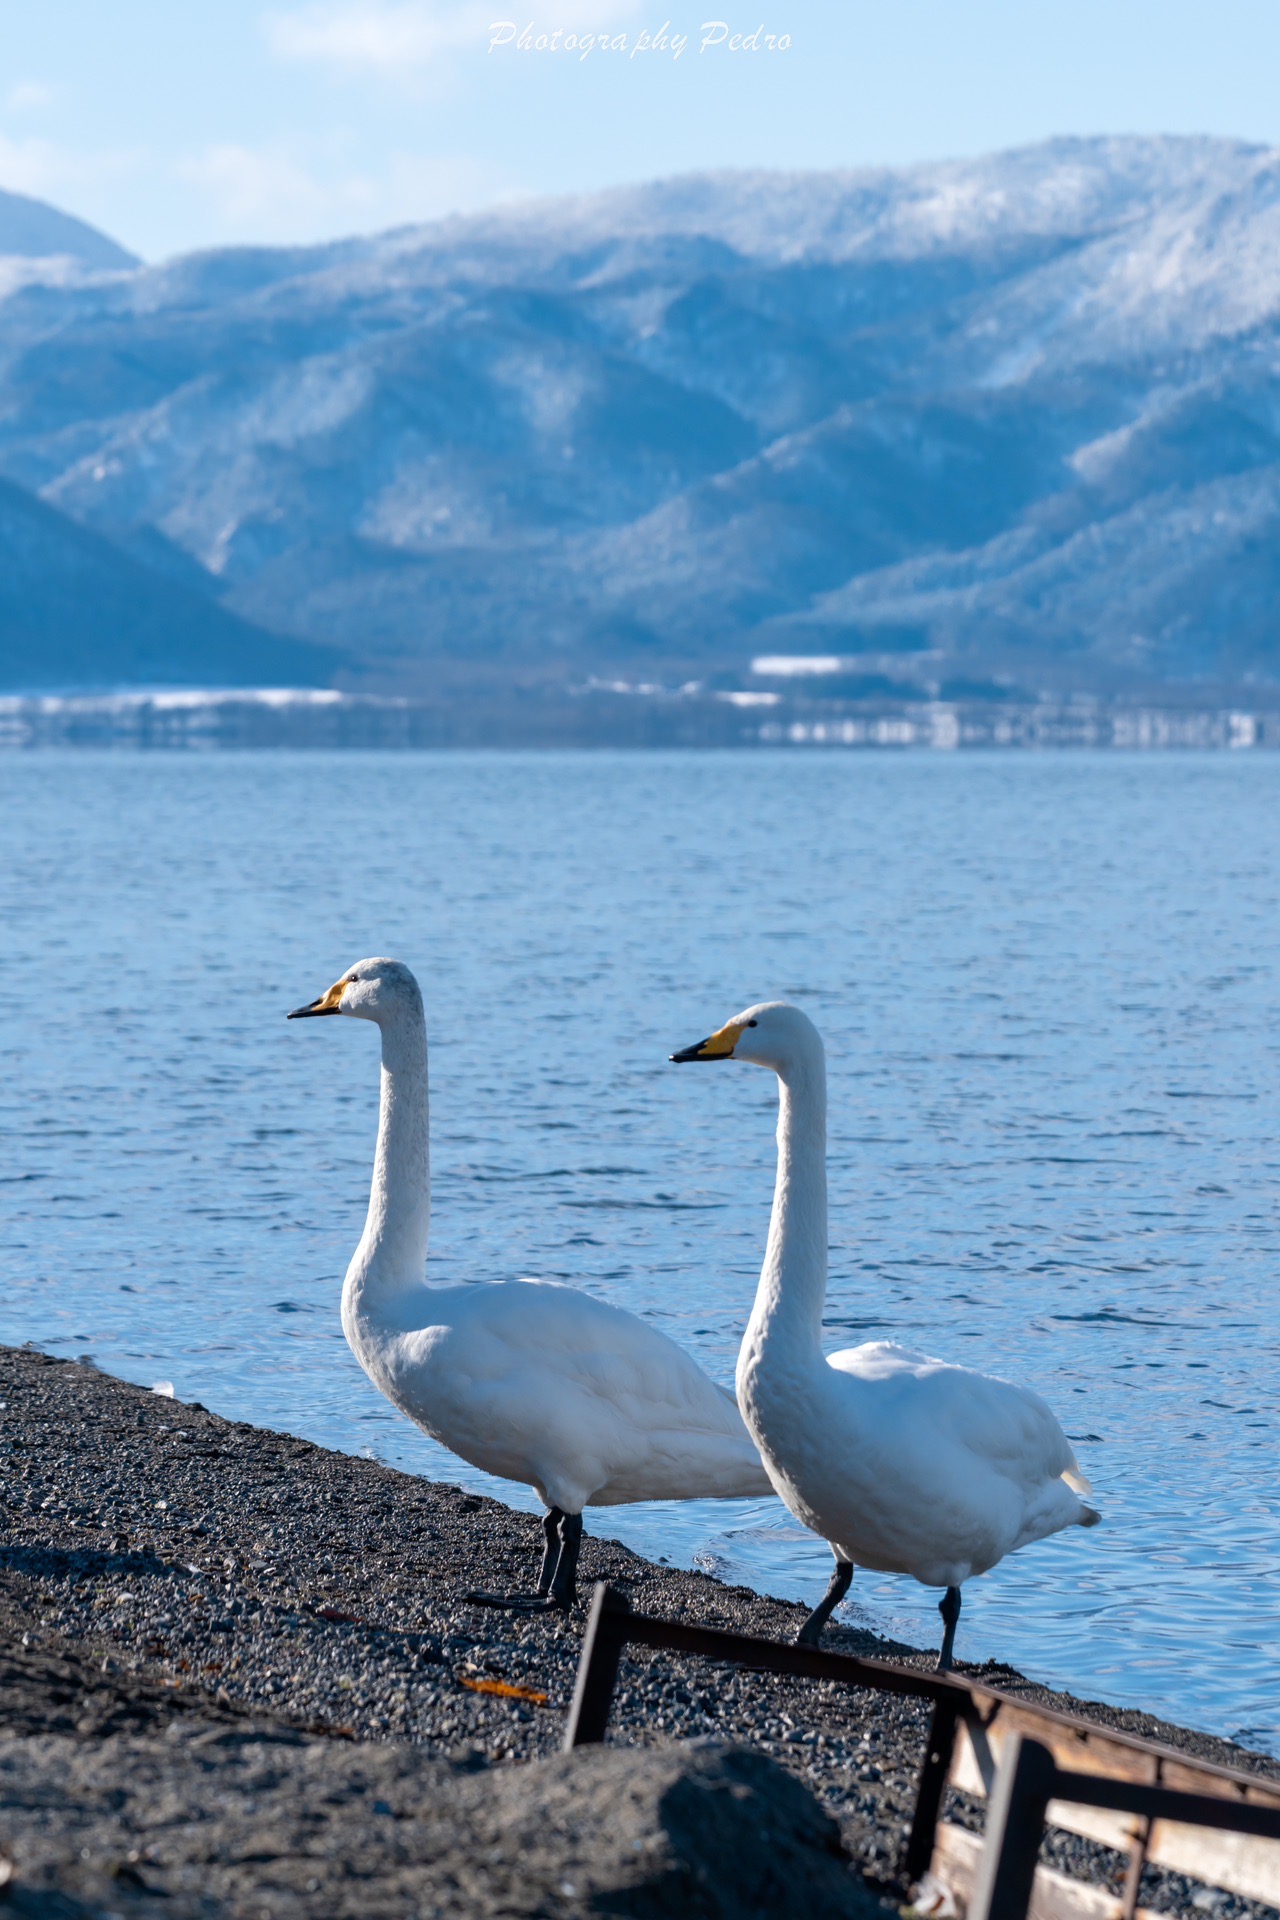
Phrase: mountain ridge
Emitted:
{"points": [[1024, 408], [34, 230]]}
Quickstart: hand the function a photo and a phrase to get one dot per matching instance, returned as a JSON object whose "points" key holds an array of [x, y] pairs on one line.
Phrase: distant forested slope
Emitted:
{"points": [[74, 611]]}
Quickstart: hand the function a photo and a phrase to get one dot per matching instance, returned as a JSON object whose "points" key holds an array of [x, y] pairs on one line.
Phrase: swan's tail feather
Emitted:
{"points": [[1076, 1481]]}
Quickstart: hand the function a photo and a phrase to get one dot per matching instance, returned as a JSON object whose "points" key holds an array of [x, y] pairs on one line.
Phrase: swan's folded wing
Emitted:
{"points": [[663, 1430], [1008, 1426], [656, 1383], [605, 1391], [605, 1350]]}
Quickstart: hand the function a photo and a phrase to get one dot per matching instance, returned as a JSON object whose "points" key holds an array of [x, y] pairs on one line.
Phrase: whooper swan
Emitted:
{"points": [[526, 1379], [902, 1463]]}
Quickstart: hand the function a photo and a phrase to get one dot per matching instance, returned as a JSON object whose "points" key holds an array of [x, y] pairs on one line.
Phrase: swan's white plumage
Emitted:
{"points": [[526, 1379], [541, 1383], [983, 1457], [904, 1463]]}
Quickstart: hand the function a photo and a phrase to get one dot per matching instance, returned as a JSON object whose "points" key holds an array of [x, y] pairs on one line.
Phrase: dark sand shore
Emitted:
{"points": [[241, 1678]]}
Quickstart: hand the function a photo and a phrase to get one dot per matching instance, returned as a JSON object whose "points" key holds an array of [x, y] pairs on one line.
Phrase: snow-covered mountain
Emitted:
{"points": [[1001, 424], [41, 246], [33, 230]]}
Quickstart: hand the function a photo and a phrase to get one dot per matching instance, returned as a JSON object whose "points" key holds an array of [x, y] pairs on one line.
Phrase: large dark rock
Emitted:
{"points": [[120, 1794], [220, 1820]]}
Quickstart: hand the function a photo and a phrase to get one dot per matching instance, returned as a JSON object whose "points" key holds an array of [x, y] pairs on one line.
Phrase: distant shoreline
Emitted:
{"points": [[195, 719]]}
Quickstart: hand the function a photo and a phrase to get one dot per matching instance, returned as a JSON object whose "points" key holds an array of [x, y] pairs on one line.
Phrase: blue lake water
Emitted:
{"points": [[1048, 986]]}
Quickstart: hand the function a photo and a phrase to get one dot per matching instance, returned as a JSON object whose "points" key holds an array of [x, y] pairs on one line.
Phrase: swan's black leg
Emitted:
{"points": [[564, 1585], [811, 1632], [553, 1549], [949, 1608]]}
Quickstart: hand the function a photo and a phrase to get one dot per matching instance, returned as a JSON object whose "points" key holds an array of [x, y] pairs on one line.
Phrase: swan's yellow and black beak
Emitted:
{"points": [[329, 1002], [719, 1046]]}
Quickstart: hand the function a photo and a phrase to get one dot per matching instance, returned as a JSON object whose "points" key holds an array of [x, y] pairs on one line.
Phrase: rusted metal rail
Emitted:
{"points": [[1130, 1794], [611, 1625]]}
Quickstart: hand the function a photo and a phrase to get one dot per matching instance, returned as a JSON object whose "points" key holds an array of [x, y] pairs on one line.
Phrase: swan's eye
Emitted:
{"points": [[753, 1023]]}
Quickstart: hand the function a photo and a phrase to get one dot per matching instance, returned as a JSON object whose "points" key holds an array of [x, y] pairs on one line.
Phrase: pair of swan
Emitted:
{"points": [[903, 1464]]}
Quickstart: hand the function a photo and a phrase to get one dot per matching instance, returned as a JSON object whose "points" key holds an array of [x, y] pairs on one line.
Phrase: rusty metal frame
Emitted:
{"points": [[1019, 1792], [611, 1625]]}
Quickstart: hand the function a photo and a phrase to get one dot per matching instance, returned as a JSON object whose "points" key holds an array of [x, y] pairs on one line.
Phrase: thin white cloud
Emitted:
{"points": [[45, 170], [246, 183], [28, 96], [32, 166], [376, 38], [427, 186], [282, 195], [395, 38]]}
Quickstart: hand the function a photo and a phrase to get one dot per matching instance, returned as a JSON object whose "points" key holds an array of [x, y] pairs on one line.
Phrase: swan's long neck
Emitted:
{"points": [[784, 1334], [391, 1259]]}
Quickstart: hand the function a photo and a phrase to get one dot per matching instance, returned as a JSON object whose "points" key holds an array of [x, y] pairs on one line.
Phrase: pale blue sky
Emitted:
{"points": [[174, 125]]}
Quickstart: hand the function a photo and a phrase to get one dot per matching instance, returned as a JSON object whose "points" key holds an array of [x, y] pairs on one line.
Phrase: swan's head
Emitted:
{"points": [[371, 990], [774, 1034]]}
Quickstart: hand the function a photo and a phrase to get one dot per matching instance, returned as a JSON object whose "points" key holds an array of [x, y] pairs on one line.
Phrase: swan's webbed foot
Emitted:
{"points": [[949, 1608], [810, 1634], [557, 1577]]}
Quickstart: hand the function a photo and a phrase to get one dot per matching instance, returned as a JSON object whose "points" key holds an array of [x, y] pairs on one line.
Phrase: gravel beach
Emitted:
{"points": [[199, 1614]]}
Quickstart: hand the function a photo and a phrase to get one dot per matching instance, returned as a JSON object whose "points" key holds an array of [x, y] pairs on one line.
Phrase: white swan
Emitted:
{"points": [[902, 1463], [527, 1379]]}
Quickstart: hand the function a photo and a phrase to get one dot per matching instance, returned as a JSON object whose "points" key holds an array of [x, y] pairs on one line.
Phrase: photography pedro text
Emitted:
{"points": [[712, 34]]}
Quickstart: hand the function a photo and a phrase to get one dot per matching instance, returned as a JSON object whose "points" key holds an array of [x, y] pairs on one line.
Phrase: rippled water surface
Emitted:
{"points": [[1048, 987]]}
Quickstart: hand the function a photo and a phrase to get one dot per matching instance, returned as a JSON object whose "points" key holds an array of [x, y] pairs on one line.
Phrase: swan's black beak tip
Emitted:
{"points": [[313, 1012], [695, 1053]]}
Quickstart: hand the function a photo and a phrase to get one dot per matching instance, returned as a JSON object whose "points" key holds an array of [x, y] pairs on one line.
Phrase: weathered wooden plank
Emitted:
{"points": [[1118, 1830], [970, 1771], [1238, 1863], [1187, 1776], [1055, 1897]]}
